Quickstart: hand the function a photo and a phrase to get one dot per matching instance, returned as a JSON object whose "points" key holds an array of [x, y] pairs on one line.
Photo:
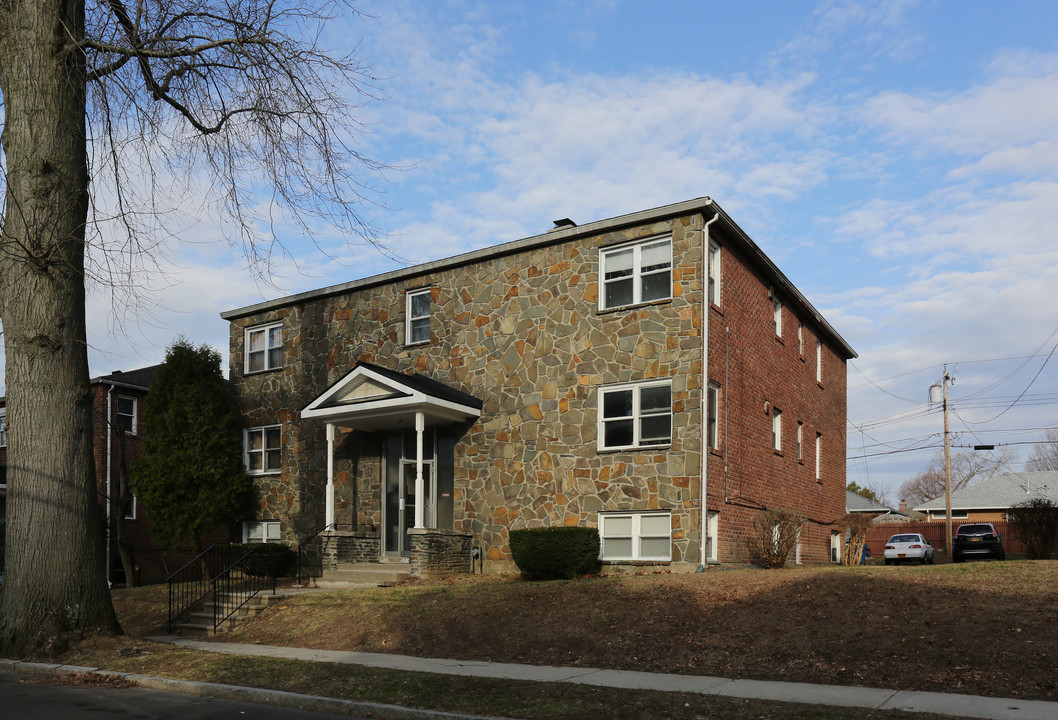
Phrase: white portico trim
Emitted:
{"points": [[374, 398]]}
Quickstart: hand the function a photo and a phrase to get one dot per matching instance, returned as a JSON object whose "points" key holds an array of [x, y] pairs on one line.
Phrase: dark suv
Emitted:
{"points": [[977, 540]]}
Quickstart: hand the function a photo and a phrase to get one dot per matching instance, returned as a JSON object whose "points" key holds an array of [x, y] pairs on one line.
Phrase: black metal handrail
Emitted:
{"points": [[213, 576], [315, 534], [190, 585], [236, 585]]}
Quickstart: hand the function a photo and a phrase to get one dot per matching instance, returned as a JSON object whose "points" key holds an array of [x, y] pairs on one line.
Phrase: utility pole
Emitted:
{"points": [[943, 386]]}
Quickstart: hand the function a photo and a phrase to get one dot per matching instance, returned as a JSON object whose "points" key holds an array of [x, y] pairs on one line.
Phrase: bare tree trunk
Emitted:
{"points": [[54, 585]]}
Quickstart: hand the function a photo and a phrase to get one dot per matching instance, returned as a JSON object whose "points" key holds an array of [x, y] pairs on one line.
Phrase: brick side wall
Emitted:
{"points": [[759, 372], [524, 333]]}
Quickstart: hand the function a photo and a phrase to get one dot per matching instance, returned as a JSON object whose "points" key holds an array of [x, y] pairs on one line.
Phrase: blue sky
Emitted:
{"points": [[897, 160]]}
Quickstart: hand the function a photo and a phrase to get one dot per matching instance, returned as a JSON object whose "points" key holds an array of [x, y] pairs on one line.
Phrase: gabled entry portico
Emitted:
{"points": [[415, 414]]}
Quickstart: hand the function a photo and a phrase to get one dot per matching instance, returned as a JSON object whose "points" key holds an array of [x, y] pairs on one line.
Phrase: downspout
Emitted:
{"points": [[706, 300], [110, 452]]}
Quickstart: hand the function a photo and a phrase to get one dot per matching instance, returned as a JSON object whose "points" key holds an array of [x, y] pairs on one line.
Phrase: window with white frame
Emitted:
{"points": [[636, 536], [130, 508], [835, 547], [635, 415], [713, 416], [263, 449], [125, 414], [264, 347], [712, 536], [819, 455], [819, 361], [800, 338], [417, 312], [776, 429], [800, 440], [777, 312], [714, 273], [635, 274], [264, 531], [3, 427], [797, 548]]}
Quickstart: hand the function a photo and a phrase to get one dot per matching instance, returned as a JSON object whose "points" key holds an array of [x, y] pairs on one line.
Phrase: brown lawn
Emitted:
{"points": [[979, 628]]}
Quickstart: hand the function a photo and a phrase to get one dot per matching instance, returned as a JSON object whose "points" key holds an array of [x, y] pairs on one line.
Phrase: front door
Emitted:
{"points": [[401, 499]]}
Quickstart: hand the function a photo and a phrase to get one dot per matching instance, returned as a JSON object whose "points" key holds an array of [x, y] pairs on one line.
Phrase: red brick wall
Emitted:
{"points": [[758, 372]]}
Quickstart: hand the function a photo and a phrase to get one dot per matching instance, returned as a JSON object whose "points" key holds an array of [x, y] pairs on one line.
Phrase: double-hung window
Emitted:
{"points": [[3, 427], [713, 416], [714, 273], [635, 415], [635, 274], [776, 430], [819, 458], [265, 531], [636, 536], [263, 449], [819, 361], [125, 414], [777, 311], [417, 312], [264, 347]]}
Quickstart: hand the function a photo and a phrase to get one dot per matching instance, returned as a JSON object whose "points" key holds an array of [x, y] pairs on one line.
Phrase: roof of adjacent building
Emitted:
{"points": [[140, 378], [565, 233], [858, 503], [1000, 492]]}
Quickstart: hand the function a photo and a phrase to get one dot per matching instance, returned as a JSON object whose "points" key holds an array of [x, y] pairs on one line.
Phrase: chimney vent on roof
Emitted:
{"points": [[563, 224]]}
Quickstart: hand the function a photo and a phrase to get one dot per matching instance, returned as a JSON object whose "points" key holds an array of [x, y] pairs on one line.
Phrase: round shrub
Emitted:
{"points": [[267, 560], [553, 553]]}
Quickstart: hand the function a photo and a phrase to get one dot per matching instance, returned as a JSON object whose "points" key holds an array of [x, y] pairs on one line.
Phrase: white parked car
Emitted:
{"points": [[909, 546]]}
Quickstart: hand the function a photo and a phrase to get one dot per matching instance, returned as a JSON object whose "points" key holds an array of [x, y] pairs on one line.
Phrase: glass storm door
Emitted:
{"points": [[401, 501]]}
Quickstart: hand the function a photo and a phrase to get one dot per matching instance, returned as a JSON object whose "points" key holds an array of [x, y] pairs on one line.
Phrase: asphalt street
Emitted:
{"points": [[29, 697]]}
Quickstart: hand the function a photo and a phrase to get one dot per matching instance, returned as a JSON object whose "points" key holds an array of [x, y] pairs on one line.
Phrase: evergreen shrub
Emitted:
{"points": [[553, 553], [269, 560]]}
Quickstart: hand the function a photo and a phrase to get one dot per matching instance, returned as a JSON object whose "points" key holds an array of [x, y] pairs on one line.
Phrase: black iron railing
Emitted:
{"points": [[222, 575], [312, 536]]}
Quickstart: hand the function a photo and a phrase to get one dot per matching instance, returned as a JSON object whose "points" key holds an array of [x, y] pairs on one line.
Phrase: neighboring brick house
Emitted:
{"points": [[118, 403], [990, 500], [560, 379]]}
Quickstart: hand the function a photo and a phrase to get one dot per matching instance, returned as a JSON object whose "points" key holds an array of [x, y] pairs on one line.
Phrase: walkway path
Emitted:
{"points": [[962, 706]]}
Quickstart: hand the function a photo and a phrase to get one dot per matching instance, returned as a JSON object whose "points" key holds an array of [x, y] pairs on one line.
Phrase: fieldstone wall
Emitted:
{"points": [[439, 553], [350, 547], [523, 332]]}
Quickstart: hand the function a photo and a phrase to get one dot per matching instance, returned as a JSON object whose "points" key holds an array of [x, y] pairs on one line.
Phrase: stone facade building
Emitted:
{"points": [[561, 379]]}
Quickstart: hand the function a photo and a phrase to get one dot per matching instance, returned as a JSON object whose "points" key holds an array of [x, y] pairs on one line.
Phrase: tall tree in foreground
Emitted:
{"points": [[109, 111], [190, 475]]}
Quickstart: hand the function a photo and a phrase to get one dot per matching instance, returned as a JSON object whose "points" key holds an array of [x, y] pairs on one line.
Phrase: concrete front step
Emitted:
{"points": [[365, 575], [200, 622]]}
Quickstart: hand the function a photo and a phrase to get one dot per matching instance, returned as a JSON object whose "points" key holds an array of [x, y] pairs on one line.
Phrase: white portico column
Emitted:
{"points": [[420, 498], [329, 519]]}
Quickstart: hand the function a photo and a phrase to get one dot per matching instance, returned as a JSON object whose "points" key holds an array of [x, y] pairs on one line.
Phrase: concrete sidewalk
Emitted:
{"points": [[963, 706]]}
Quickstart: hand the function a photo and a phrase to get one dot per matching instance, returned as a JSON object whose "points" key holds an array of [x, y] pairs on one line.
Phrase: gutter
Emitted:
{"points": [[706, 300]]}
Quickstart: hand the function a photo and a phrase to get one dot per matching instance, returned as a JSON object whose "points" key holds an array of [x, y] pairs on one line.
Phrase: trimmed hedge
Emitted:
{"points": [[553, 553], [269, 560]]}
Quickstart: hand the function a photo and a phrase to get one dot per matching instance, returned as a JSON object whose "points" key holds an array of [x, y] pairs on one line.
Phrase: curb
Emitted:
{"points": [[280, 698]]}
